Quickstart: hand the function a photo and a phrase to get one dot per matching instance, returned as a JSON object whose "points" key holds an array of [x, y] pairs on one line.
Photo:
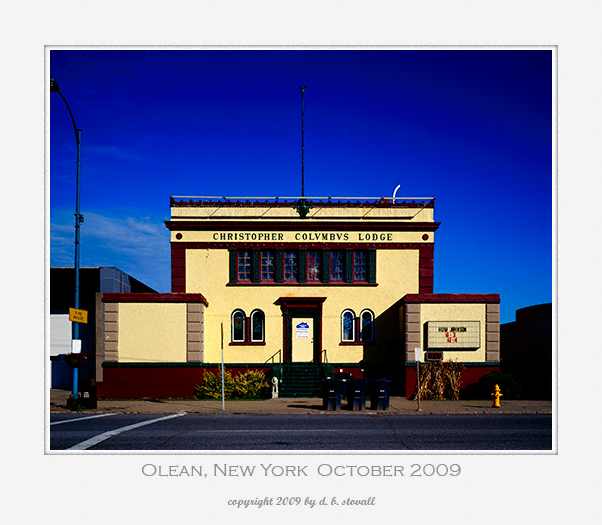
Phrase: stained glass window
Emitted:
{"points": [[337, 259], [257, 326], [238, 326], [360, 266], [244, 266], [267, 266], [348, 326], [313, 266], [367, 325], [291, 266]]}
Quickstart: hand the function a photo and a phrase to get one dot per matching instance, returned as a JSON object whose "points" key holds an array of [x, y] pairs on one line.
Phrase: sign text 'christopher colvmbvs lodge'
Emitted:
{"points": [[335, 237]]}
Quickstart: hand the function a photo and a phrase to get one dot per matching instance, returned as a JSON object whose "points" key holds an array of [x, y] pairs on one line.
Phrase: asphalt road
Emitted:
{"points": [[188, 432]]}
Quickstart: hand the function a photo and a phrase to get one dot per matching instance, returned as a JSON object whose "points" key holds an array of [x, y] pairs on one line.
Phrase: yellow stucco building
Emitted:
{"points": [[295, 286]]}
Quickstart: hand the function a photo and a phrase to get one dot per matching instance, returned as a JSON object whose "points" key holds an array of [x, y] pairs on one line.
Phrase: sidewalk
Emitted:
{"points": [[302, 406]]}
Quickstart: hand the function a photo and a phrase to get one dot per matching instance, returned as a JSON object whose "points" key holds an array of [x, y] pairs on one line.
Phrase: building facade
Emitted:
{"points": [[94, 280], [317, 286], [527, 344]]}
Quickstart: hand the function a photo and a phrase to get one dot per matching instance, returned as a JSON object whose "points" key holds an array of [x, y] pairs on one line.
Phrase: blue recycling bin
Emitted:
{"points": [[331, 394], [379, 394], [356, 394]]}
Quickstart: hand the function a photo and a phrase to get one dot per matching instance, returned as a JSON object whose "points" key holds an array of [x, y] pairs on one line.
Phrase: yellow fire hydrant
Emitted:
{"points": [[496, 396]]}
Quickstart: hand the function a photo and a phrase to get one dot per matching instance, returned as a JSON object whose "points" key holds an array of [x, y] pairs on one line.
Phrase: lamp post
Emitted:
{"points": [[76, 343]]}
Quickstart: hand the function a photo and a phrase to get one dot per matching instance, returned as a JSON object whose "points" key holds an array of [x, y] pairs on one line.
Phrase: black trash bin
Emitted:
{"points": [[331, 393], [89, 396], [356, 394], [343, 380], [379, 394]]}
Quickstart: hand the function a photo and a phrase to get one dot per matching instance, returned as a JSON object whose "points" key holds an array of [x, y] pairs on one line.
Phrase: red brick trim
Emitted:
{"points": [[426, 278], [154, 298], [178, 268], [450, 298], [295, 224]]}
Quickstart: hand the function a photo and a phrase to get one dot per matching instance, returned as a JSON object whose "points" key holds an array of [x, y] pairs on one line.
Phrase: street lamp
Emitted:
{"points": [[76, 343]]}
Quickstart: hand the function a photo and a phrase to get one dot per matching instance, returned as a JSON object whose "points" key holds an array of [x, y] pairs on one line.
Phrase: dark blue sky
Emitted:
{"points": [[472, 128]]}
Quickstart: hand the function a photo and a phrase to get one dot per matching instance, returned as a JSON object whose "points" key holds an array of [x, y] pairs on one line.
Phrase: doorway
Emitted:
{"points": [[302, 329], [303, 340]]}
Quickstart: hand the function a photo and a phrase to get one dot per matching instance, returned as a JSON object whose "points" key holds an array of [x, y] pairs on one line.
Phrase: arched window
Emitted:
{"points": [[366, 325], [257, 326], [348, 326], [238, 326]]}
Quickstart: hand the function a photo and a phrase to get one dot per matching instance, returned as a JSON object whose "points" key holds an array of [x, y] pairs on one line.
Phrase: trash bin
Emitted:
{"points": [[331, 393], [379, 394], [343, 380], [88, 394], [356, 394]]}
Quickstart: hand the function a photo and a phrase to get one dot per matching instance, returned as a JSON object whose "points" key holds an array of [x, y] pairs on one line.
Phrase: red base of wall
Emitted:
{"points": [[156, 382], [470, 374], [162, 382]]}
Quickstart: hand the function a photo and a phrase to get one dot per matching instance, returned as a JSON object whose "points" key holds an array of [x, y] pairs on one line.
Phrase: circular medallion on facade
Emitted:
{"points": [[425, 237], [178, 236]]}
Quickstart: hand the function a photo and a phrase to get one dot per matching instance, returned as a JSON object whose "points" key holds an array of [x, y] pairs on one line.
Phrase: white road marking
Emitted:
{"points": [[102, 437], [79, 419]]}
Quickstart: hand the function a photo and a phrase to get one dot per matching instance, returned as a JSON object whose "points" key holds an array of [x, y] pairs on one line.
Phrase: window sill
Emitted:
{"points": [[351, 343], [246, 344]]}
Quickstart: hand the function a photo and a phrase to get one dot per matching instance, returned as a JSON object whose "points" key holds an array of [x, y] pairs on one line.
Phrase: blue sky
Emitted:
{"points": [[472, 128]]}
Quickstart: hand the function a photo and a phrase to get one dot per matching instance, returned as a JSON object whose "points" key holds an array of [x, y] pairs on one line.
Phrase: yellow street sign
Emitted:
{"points": [[78, 316]]}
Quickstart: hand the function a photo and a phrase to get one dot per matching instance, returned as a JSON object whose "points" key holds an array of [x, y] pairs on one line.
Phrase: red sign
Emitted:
{"points": [[434, 356]]}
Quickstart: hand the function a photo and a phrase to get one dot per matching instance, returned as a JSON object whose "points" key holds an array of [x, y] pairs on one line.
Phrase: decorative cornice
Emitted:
{"points": [[450, 298], [200, 202], [154, 298], [300, 301], [298, 225]]}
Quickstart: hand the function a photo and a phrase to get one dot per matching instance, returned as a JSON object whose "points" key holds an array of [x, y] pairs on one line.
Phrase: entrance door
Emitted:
{"points": [[303, 339]]}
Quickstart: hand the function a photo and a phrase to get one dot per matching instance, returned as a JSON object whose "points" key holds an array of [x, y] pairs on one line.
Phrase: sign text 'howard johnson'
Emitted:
{"points": [[456, 334]]}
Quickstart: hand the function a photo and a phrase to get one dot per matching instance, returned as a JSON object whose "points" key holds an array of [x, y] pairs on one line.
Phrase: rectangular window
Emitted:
{"points": [[337, 266], [360, 266], [244, 266], [267, 266], [291, 266], [313, 266]]}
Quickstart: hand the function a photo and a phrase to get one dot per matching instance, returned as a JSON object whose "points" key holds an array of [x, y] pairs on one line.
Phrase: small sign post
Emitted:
{"points": [[223, 398], [417, 357]]}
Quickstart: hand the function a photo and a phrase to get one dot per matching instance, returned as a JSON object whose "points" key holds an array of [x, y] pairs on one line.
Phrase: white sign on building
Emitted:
{"points": [[302, 331], [454, 335]]}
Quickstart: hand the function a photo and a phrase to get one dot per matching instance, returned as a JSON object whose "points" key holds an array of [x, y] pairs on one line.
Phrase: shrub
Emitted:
{"points": [[440, 380], [251, 384]]}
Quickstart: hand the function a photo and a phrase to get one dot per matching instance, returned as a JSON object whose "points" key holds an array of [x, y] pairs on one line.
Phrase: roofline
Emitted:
{"points": [[344, 202]]}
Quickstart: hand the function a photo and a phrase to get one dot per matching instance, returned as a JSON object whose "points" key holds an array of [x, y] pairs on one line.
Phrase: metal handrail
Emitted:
{"points": [[278, 353], [325, 360]]}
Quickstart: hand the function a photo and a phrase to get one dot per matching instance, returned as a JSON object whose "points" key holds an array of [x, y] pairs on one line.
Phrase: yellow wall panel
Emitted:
{"points": [[207, 272], [152, 332], [457, 312]]}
